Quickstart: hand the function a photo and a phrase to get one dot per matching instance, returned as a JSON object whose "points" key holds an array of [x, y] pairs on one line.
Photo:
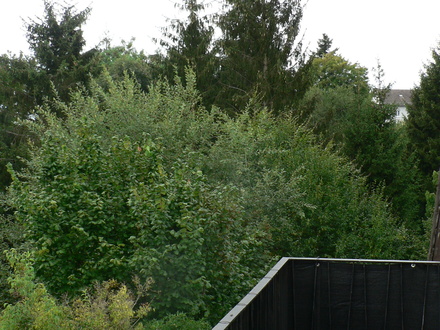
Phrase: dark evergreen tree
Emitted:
{"points": [[424, 117], [17, 97], [324, 46], [260, 53], [57, 43], [57, 63], [189, 43]]}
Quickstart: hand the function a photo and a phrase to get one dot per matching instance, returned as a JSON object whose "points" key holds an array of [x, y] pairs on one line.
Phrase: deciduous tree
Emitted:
{"points": [[342, 110], [97, 204], [332, 70]]}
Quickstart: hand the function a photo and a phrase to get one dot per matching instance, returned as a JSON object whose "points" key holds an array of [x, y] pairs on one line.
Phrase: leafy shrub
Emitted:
{"points": [[98, 206], [11, 236], [364, 130], [109, 306], [74, 205], [36, 308], [155, 185], [177, 322], [312, 201]]}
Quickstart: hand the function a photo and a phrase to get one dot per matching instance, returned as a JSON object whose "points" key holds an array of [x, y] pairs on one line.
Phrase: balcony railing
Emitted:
{"points": [[304, 293]]}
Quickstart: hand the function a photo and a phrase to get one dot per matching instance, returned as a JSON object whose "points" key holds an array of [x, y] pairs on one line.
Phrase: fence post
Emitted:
{"points": [[434, 248]]}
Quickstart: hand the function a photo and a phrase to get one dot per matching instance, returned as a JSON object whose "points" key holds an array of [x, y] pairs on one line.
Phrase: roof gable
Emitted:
{"points": [[401, 97]]}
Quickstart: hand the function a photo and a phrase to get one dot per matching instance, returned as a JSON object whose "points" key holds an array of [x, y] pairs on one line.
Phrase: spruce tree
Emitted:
{"points": [[57, 62], [188, 44], [424, 116], [57, 44], [260, 53], [324, 46]]}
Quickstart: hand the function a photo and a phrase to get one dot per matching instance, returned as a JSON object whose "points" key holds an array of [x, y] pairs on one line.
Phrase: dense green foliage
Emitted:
{"points": [[177, 322], [424, 116], [194, 170], [17, 98], [57, 65], [189, 43], [345, 111], [296, 188], [36, 309], [97, 205], [332, 71], [260, 54], [11, 236], [57, 43], [123, 60], [109, 305], [201, 214]]}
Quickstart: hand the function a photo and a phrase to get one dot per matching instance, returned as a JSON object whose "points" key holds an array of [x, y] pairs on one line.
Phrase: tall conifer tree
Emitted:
{"points": [[260, 53], [189, 43], [57, 60], [57, 43], [424, 116]]}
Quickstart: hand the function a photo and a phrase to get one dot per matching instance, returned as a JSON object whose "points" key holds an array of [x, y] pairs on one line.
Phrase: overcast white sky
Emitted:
{"points": [[398, 33]]}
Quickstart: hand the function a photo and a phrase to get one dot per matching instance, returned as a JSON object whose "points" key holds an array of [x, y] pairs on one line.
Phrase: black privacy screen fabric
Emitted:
{"points": [[320, 294]]}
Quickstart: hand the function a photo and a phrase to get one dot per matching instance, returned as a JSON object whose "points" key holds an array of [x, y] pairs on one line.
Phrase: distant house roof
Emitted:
{"points": [[401, 97]]}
